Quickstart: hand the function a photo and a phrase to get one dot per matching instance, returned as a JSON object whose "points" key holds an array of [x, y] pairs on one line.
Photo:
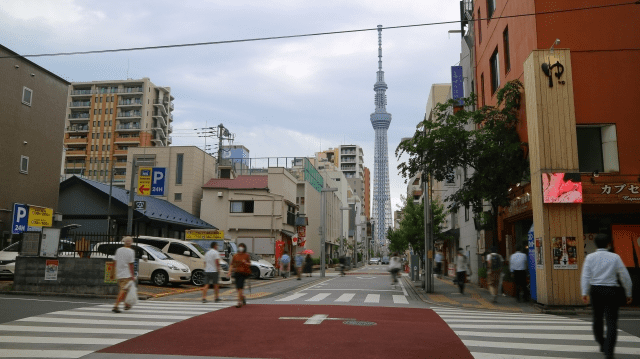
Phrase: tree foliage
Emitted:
{"points": [[411, 231], [484, 139]]}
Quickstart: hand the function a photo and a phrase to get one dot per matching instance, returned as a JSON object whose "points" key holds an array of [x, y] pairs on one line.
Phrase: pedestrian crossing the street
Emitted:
{"points": [[330, 297], [78, 332], [500, 335]]}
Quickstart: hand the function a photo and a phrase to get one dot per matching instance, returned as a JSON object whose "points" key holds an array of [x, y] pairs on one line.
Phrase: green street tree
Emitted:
{"points": [[411, 231], [491, 147]]}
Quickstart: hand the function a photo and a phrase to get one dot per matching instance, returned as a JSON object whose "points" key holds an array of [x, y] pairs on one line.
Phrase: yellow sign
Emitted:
{"points": [[40, 216], [203, 234], [144, 181]]}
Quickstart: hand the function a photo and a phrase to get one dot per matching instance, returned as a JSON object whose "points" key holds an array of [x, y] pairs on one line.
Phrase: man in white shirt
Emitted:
{"points": [[438, 258], [211, 272], [124, 258], [600, 274], [518, 267]]}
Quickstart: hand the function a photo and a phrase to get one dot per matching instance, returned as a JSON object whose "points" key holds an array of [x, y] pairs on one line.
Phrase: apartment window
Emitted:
{"points": [[110, 123], [111, 111], [495, 71], [479, 27], [109, 134], [466, 213], [108, 147], [27, 94], [98, 123], [91, 147], [241, 206], [101, 173], [482, 88], [179, 165], [24, 164], [102, 160], [505, 43], [107, 159], [93, 136], [597, 148], [491, 8], [450, 179], [104, 147], [108, 99], [177, 196]]}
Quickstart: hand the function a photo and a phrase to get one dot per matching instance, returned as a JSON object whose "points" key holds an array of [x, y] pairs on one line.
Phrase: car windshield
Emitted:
{"points": [[13, 247], [197, 247], [193, 248], [156, 253]]}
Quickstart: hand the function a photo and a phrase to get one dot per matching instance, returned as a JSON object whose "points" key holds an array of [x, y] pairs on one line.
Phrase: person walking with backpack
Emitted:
{"points": [[494, 272], [462, 268], [602, 272]]}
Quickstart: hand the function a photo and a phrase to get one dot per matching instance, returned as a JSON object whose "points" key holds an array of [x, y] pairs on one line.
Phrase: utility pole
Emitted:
{"points": [[323, 228], [109, 205], [342, 237], [428, 234]]}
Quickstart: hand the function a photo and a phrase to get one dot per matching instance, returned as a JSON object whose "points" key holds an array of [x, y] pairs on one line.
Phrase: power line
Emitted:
{"points": [[312, 34]]}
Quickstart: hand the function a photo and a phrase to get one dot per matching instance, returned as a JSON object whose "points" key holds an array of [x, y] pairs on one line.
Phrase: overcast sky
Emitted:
{"points": [[290, 97]]}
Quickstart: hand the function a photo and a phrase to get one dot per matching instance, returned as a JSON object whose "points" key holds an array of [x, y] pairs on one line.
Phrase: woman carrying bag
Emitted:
{"points": [[240, 269]]}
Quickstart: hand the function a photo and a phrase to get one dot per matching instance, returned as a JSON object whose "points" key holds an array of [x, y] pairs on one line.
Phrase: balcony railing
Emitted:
{"points": [[81, 92], [130, 114], [160, 131], [130, 102], [77, 140], [169, 140], [171, 106], [79, 115], [77, 128], [76, 153], [128, 126], [80, 104], [127, 139], [130, 90]]}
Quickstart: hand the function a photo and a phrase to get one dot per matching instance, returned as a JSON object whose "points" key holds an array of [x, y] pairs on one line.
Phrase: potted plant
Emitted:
{"points": [[482, 274]]}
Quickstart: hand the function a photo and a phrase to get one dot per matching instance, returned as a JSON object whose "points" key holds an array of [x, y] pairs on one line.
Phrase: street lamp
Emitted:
{"points": [[323, 227]]}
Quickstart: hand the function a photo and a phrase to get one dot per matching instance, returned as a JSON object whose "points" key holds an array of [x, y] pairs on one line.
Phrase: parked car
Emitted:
{"points": [[260, 268], [188, 253], [153, 265], [374, 260], [8, 256], [385, 260]]}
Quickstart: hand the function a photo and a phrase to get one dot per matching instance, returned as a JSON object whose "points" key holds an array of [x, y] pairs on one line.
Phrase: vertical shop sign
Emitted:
{"points": [[565, 253], [110, 272], [539, 254], [51, 270]]}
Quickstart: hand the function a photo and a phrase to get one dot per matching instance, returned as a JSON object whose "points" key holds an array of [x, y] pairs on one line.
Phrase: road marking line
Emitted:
{"points": [[489, 313], [525, 327], [318, 297], [26, 328], [502, 317], [403, 289], [23, 353], [128, 315], [528, 321], [478, 355], [95, 321], [49, 300], [137, 310], [59, 340], [316, 319], [547, 347], [400, 299], [346, 297], [291, 297], [365, 290], [526, 336], [372, 298]]}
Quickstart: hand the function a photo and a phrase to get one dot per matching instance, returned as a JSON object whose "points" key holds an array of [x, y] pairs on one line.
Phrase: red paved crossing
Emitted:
{"points": [[295, 331]]}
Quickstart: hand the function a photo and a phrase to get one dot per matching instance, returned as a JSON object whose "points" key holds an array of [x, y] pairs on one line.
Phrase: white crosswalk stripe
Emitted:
{"points": [[338, 297], [500, 335], [78, 332]]}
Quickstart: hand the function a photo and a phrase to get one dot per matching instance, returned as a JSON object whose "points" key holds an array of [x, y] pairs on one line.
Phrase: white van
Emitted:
{"points": [[188, 253], [153, 265]]}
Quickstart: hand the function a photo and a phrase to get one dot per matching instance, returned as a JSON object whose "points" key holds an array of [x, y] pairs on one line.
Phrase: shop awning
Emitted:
{"points": [[288, 233]]}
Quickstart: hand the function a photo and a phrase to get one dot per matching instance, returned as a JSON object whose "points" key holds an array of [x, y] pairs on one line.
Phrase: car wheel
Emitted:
{"points": [[160, 278], [255, 273], [197, 277]]}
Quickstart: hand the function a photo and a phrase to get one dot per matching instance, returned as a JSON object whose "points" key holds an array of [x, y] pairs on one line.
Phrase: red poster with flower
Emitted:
{"points": [[279, 251]]}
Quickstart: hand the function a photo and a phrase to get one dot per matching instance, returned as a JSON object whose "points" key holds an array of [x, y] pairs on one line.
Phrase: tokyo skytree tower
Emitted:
{"points": [[380, 121]]}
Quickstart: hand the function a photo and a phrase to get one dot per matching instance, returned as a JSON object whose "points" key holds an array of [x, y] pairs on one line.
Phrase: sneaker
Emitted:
{"points": [[217, 300], [244, 300], [115, 310], [204, 300], [127, 307]]}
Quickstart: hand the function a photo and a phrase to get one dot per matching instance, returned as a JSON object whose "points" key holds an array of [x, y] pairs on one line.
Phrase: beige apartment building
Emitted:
{"points": [[32, 104], [188, 168], [105, 119]]}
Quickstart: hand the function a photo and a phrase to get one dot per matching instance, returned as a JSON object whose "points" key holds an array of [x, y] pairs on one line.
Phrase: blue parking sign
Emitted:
{"points": [[158, 176], [20, 218]]}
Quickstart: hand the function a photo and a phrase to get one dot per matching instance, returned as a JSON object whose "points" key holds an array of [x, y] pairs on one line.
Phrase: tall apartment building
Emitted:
{"points": [[106, 118]]}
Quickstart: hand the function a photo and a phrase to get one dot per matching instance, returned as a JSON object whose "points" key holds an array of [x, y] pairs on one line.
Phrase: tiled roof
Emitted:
{"points": [[240, 182], [157, 208]]}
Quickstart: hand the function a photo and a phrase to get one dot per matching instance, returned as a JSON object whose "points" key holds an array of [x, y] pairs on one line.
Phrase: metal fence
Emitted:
{"points": [[84, 245]]}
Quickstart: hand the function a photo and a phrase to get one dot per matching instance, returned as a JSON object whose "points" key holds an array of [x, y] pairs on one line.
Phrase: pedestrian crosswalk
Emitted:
{"points": [[500, 335], [330, 297], [78, 332]]}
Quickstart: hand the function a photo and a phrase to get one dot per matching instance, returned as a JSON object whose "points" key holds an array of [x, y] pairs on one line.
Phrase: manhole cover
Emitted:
{"points": [[358, 322]]}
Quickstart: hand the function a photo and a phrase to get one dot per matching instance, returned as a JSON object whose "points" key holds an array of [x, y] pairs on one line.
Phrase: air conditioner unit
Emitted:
{"points": [[219, 194]]}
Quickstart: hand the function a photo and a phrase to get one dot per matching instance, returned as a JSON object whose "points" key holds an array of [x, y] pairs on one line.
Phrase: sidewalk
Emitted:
{"points": [[447, 294]]}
